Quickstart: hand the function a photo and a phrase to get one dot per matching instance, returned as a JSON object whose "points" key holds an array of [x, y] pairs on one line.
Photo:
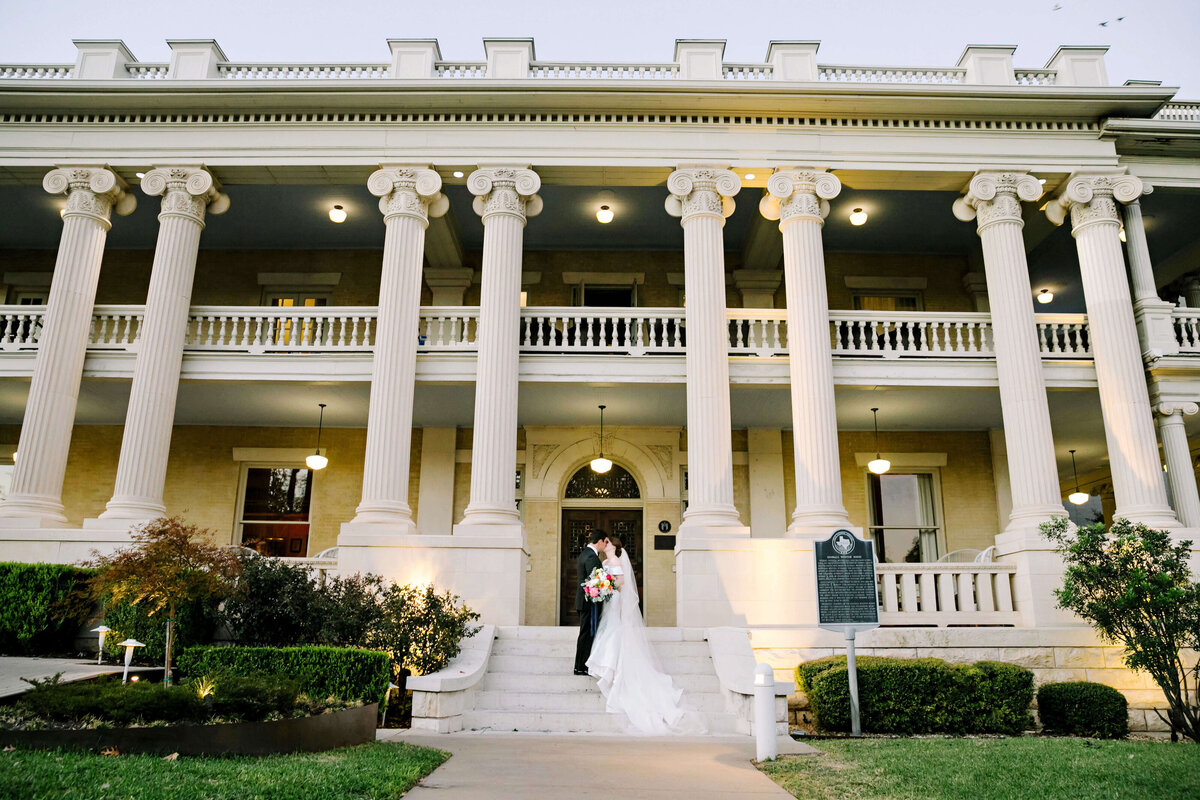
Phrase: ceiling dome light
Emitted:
{"points": [[879, 464], [858, 217], [337, 214], [604, 215], [750, 176], [457, 173], [1122, 233], [139, 174], [1045, 296], [1077, 497]]}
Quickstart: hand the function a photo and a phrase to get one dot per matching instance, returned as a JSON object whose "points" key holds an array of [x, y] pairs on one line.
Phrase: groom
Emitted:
{"points": [[591, 558]]}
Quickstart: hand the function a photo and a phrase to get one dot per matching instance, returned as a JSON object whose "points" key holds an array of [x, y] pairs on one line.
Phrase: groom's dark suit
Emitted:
{"points": [[587, 561]]}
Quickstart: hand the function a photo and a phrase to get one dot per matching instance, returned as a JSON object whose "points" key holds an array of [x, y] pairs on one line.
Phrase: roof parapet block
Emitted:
{"points": [[101, 59], [508, 59], [194, 59], [988, 64], [414, 58], [793, 60], [700, 59], [1080, 65]]}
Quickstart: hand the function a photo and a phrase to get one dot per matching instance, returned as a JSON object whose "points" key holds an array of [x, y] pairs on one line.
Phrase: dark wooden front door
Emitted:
{"points": [[576, 522]]}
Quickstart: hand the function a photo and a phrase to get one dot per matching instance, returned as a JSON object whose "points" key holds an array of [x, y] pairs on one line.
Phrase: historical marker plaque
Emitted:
{"points": [[846, 594]]}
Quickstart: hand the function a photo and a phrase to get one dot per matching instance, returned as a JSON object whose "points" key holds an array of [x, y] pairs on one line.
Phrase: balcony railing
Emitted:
{"points": [[946, 594], [1187, 329], [636, 332]]}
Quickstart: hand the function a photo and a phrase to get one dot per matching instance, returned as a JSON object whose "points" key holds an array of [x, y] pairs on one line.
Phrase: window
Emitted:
{"points": [[605, 296], [901, 301], [283, 333], [904, 512], [273, 513]]}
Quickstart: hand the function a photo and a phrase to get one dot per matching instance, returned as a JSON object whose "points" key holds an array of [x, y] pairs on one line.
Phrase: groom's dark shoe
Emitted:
{"points": [[582, 672]]}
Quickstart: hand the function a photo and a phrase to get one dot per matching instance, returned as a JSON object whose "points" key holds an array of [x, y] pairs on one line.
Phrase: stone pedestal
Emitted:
{"points": [[188, 191], [408, 196], [1091, 199], [93, 192], [799, 199], [702, 197], [994, 199]]}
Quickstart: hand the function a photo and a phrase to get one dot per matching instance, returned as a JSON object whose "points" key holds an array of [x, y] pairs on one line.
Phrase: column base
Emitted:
{"points": [[130, 510], [377, 513], [32, 512], [1030, 518], [722, 520], [490, 515], [1162, 519]]}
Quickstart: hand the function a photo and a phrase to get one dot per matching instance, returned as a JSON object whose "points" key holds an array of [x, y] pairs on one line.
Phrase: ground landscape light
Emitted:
{"points": [[858, 217], [337, 214], [1045, 296]]}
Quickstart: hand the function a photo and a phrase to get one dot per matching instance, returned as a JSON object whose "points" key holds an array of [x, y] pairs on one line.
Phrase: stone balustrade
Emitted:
{"points": [[946, 594]]}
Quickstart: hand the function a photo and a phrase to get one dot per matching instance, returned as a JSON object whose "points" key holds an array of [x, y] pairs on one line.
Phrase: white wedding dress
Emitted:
{"points": [[628, 672]]}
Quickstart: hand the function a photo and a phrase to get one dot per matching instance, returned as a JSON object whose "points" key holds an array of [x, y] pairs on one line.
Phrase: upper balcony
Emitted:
{"points": [[556, 343]]}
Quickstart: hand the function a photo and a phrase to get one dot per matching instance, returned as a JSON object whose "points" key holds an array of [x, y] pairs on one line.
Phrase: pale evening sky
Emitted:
{"points": [[1156, 40]]}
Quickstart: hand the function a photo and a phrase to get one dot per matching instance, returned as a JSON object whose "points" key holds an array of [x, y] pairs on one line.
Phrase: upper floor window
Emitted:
{"points": [[897, 301]]}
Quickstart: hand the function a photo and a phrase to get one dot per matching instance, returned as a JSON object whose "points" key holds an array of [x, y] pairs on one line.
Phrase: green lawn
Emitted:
{"points": [[379, 771], [991, 769]]}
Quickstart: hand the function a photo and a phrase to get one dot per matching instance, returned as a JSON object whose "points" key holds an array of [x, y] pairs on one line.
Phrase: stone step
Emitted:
{"points": [[556, 648], [567, 632], [576, 701], [565, 665], [518, 682], [571, 722]]}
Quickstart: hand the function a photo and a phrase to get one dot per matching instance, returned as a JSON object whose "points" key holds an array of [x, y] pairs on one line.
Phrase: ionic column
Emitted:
{"points": [[1181, 474], [702, 197], [188, 191], [408, 197], [1141, 270], [994, 200], [1124, 400], [504, 197], [93, 192], [799, 199]]}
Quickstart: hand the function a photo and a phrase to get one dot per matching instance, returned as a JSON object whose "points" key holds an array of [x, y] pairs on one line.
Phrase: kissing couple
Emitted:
{"points": [[613, 646]]}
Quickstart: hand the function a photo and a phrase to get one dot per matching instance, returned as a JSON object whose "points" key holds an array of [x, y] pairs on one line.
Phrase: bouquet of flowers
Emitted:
{"points": [[600, 586]]}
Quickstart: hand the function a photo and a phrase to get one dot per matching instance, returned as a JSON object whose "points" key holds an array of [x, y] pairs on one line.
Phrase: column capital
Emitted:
{"points": [[92, 191], [799, 194], [702, 191], [1092, 197], [505, 190], [187, 190], [996, 197], [1181, 408], [410, 191]]}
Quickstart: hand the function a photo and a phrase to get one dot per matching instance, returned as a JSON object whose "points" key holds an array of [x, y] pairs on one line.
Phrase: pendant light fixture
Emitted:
{"points": [[1077, 497], [316, 460], [879, 465], [601, 464]]}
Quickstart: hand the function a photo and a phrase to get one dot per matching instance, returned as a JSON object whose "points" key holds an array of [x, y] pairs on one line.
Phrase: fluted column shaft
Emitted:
{"points": [[994, 199], [408, 197], [1124, 400], [702, 198], [799, 200], [1181, 474], [146, 442], [1141, 270], [92, 194], [505, 198]]}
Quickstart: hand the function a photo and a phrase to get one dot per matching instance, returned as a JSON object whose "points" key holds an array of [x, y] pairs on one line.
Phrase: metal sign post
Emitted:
{"points": [[847, 599]]}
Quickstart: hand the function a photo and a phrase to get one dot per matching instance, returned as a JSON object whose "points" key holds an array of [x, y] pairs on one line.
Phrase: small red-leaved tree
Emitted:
{"points": [[169, 563]]}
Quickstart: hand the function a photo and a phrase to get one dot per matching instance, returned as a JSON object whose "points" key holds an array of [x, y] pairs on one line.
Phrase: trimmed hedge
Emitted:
{"points": [[1081, 708], [319, 671], [34, 613], [923, 695]]}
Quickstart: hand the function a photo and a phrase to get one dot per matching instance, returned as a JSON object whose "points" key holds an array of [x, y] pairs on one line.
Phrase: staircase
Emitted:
{"points": [[529, 685]]}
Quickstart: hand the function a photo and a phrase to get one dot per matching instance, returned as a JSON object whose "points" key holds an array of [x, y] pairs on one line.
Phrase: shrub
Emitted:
{"points": [[37, 615], [1080, 708], [1134, 585], [421, 629], [924, 695], [318, 671], [195, 622]]}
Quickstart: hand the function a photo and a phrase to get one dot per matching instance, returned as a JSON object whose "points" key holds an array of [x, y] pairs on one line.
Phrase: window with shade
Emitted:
{"points": [[274, 511], [902, 301], [905, 515]]}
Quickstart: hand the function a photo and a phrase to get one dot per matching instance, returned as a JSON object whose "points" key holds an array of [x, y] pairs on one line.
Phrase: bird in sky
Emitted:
{"points": [[1106, 22]]}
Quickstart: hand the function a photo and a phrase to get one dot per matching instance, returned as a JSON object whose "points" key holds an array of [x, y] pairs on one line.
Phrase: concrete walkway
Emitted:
{"points": [[13, 669], [552, 766]]}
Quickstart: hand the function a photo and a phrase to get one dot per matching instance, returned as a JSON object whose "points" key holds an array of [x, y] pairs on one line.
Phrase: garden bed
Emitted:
{"points": [[314, 734]]}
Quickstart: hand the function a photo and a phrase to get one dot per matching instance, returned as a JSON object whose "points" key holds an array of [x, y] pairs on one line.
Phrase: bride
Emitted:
{"points": [[628, 673]]}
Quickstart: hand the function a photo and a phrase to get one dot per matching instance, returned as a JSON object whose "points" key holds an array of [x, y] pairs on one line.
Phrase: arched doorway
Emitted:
{"points": [[611, 502]]}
